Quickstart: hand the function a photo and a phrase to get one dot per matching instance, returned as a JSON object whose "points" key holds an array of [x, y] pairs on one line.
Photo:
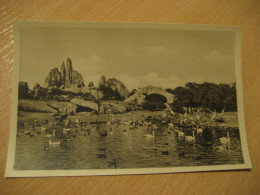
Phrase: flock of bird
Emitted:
{"points": [[55, 135]]}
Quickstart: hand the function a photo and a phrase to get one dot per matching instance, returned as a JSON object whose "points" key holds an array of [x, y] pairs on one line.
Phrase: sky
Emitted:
{"points": [[138, 57]]}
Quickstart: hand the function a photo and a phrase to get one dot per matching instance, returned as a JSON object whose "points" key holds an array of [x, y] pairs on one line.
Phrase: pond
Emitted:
{"points": [[105, 146]]}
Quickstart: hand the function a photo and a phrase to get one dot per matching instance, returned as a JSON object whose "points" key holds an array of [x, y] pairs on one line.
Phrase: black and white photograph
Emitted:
{"points": [[94, 98]]}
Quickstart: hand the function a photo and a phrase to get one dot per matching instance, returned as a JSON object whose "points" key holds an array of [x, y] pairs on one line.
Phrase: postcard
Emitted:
{"points": [[103, 98]]}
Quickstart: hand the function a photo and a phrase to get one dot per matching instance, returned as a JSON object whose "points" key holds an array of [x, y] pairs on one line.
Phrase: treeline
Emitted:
{"points": [[40, 93], [204, 96]]}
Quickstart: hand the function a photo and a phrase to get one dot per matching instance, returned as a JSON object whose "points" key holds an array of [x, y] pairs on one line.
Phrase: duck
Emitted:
{"points": [[225, 140], [190, 138]]}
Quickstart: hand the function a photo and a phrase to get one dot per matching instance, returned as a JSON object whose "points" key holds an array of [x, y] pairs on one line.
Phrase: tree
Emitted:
{"points": [[39, 92], [155, 102], [97, 96], [91, 84], [23, 91], [206, 95]]}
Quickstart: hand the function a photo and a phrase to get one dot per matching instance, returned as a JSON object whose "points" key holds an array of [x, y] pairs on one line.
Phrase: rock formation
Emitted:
{"points": [[65, 78], [113, 84], [63, 72], [141, 93], [102, 82], [118, 86]]}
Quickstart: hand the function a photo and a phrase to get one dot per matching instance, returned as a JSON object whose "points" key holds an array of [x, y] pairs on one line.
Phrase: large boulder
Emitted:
{"points": [[84, 103], [118, 86], [34, 106], [115, 107], [63, 106], [141, 93]]}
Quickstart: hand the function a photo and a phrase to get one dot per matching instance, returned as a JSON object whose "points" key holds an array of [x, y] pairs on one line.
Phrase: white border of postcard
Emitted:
{"points": [[10, 172]]}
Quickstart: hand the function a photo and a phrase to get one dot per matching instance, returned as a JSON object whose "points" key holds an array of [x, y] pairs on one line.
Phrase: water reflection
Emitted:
{"points": [[102, 146]]}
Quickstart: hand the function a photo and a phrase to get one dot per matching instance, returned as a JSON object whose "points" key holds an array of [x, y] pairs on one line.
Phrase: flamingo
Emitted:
{"points": [[190, 138]]}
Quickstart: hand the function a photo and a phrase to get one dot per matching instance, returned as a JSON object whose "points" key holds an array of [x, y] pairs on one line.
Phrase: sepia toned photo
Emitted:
{"points": [[126, 98]]}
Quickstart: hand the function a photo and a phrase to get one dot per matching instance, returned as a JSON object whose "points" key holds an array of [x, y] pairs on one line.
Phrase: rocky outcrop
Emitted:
{"points": [[46, 106], [141, 93], [102, 81], [84, 103], [62, 107], [118, 86], [113, 84], [34, 106], [115, 107], [63, 73], [65, 78]]}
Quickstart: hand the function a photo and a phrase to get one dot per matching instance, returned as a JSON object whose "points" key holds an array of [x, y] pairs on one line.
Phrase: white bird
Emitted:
{"points": [[190, 138], [48, 135], [225, 140], [149, 135], [170, 126], [180, 134], [52, 142], [222, 112], [199, 130], [66, 130], [43, 129]]}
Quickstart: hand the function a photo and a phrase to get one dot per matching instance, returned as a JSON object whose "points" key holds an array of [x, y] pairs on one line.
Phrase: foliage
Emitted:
{"points": [[110, 94], [206, 95], [24, 91], [155, 102]]}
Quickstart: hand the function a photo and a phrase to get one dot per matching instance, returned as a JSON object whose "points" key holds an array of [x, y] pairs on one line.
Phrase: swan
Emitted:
{"points": [[43, 129], [170, 125], [199, 130], [225, 140], [52, 142], [66, 130], [149, 135], [190, 138], [181, 134]]}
